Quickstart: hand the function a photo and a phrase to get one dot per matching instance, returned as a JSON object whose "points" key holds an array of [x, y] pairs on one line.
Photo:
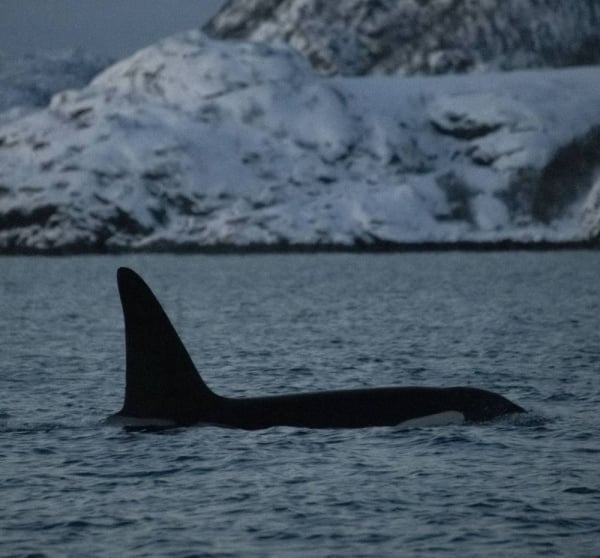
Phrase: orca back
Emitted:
{"points": [[163, 387]]}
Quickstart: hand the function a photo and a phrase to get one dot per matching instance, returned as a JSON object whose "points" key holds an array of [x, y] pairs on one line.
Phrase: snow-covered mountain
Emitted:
{"points": [[29, 81], [356, 37], [194, 143]]}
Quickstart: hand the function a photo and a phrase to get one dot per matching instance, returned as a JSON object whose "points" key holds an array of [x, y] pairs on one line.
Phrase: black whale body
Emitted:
{"points": [[164, 387]]}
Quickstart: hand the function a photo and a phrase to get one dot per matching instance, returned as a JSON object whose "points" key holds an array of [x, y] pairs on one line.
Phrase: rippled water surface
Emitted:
{"points": [[522, 324]]}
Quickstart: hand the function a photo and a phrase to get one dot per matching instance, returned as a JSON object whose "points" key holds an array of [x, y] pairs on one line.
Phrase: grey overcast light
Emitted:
{"points": [[114, 28]]}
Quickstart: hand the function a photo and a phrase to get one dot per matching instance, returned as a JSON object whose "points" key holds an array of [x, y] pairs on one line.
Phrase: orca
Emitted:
{"points": [[164, 388]]}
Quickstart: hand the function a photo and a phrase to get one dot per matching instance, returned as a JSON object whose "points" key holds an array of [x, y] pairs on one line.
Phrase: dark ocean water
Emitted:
{"points": [[522, 324]]}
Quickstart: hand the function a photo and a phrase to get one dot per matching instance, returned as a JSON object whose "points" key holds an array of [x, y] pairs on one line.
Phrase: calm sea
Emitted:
{"points": [[523, 324]]}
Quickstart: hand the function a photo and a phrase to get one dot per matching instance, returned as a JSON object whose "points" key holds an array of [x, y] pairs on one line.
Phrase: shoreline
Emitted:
{"points": [[359, 247]]}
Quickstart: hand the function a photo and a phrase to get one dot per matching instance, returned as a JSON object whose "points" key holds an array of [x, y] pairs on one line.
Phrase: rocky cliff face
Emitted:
{"points": [[357, 37], [193, 143]]}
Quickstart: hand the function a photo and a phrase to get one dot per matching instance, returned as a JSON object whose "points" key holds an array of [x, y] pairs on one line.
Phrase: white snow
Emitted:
{"points": [[198, 142]]}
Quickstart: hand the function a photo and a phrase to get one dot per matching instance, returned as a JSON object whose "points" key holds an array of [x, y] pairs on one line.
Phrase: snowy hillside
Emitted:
{"points": [[194, 143], [357, 37]]}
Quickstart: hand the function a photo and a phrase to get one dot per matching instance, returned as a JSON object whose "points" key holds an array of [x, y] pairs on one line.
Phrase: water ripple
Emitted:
{"points": [[521, 324]]}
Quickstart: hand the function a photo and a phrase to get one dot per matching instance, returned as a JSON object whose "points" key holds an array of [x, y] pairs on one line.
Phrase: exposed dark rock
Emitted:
{"points": [[356, 37], [568, 176], [19, 218], [519, 195], [465, 128], [458, 196]]}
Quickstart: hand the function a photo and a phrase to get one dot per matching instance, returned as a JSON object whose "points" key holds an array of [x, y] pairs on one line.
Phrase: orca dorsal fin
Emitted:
{"points": [[161, 380]]}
